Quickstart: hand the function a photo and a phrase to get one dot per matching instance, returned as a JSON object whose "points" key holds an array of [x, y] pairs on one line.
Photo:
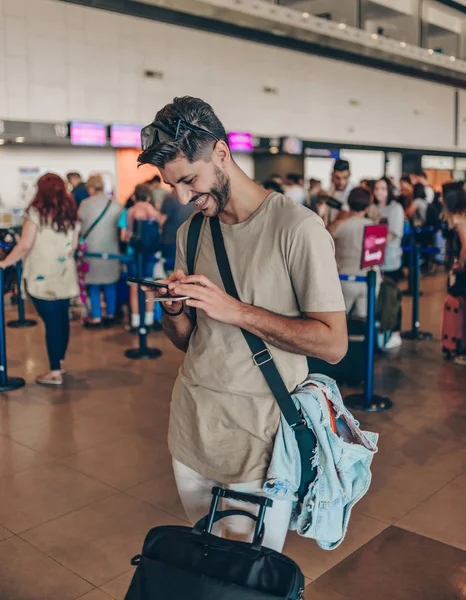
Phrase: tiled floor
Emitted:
{"points": [[85, 473]]}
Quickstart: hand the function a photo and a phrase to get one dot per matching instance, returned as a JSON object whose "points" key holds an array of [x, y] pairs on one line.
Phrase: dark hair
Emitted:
{"points": [[56, 207], [190, 144], [419, 191], [359, 199], [130, 202], [341, 165], [419, 173], [73, 174], [454, 198], [406, 179], [141, 193], [390, 188], [314, 181], [294, 178], [270, 184], [155, 179]]}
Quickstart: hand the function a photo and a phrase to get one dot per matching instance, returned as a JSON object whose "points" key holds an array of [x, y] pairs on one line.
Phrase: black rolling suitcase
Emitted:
{"points": [[184, 563]]}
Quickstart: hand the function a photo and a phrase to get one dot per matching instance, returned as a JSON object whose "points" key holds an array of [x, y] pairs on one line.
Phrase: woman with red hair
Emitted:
{"points": [[48, 241]]}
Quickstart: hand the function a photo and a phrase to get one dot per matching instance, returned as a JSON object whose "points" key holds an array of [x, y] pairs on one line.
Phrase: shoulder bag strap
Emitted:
{"points": [[97, 221], [263, 359], [194, 232]]}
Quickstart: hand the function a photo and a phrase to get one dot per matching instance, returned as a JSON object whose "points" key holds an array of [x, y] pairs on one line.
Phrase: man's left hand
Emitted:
{"points": [[205, 295]]}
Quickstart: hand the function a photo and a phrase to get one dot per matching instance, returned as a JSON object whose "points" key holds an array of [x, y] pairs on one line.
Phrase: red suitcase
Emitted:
{"points": [[454, 326]]}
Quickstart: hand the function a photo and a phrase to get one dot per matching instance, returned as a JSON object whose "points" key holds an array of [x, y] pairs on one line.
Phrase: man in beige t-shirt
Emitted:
{"points": [[224, 418]]}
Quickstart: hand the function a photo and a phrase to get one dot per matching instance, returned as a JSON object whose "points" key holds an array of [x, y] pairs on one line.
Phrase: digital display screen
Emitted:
{"points": [[240, 141], [125, 136], [88, 133]]}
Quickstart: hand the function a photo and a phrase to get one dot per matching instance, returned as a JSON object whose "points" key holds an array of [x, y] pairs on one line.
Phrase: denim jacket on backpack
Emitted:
{"points": [[343, 462]]}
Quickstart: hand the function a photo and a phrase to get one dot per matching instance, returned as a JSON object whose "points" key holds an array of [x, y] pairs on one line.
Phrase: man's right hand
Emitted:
{"points": [[176, 276]]}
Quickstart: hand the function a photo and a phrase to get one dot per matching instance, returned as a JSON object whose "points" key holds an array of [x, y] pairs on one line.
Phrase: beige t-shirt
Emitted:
{"points": [[224, 417], [49, 268]]}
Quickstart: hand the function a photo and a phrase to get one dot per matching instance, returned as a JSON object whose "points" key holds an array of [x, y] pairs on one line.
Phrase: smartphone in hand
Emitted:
{"points": [[151, 283]]}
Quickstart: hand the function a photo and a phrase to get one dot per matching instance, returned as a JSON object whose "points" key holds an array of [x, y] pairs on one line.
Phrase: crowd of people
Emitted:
{"points": [[64, 225], [347, 209], [82, 220]]}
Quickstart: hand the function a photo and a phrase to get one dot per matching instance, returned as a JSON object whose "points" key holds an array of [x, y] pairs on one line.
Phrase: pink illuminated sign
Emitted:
{"points": [[87, 133], [125, 136], [240, 141]]}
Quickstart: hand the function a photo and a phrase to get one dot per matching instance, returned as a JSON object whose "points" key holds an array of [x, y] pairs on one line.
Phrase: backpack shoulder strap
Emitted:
{"points": [[263, 359], [194, 232]]}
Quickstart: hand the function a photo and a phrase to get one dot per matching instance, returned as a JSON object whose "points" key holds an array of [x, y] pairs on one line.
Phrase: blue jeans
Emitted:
{"points": [[55, 315], [110, 299]]}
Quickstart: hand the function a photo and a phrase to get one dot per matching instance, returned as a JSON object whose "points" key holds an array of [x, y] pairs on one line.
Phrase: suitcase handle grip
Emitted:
{"points": [[201, 525], [205, 524], [250, 498]]}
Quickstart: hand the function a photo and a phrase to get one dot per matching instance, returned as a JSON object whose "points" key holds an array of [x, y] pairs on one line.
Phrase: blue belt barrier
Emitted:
{"points": [[357, 278], [21, 322], [6, 383], [368, 401], [109, 256], [429, 250], [6, 246], [416, 333]]}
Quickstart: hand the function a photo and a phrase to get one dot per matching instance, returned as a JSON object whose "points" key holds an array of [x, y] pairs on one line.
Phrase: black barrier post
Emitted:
{"points": [[415, 333], [21, 322], [6, 383], [368, 401], [143, 351]]}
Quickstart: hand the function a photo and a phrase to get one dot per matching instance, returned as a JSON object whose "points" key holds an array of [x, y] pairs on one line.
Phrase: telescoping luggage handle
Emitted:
{"points": [[205, 524]]}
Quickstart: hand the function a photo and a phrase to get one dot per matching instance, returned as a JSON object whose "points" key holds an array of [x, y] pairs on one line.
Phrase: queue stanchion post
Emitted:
{"points": [[368, 401], [21, 322], [7, 384], [143, 351], [416, 333]]}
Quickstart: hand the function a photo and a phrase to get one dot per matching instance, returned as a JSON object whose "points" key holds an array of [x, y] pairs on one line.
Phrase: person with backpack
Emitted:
{"points": [[141, 232], [224, 415]]}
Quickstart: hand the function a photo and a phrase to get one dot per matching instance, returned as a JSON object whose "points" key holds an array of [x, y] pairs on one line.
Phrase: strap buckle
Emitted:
{"points": [[267, 357]]}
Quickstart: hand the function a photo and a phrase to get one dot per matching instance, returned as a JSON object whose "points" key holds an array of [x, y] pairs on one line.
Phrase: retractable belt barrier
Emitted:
{"points": [[368, 401], [6, 383], [415, 280], [143, 351], [21, 322]]}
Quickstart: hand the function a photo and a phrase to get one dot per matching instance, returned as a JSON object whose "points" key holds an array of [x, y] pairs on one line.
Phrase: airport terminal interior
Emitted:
{"points": [[329, 138]]}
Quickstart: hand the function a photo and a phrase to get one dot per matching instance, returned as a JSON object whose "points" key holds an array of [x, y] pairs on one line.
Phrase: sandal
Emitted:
{"points": [[50, 379]]}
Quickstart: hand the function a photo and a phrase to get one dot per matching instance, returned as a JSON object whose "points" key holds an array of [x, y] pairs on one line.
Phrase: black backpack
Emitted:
{"points": [[180, 563], [146, 237]]}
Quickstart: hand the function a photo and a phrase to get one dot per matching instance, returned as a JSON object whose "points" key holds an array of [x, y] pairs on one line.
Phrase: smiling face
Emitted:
{"points": [[202, 183]]}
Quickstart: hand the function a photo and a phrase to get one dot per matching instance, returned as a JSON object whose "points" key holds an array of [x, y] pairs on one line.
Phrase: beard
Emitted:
{"points": [[220, 191]]}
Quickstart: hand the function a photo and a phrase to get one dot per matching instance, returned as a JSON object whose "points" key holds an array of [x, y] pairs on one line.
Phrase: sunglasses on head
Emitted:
{"points": [[156, 132]]}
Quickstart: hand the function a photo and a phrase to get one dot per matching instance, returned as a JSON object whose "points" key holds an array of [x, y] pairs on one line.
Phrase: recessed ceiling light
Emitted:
{"points": [[452, 58], [403, 44], [274, 150], [19, 140], [374, 36], [342, 26], [305, 15], [430, 51]]}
